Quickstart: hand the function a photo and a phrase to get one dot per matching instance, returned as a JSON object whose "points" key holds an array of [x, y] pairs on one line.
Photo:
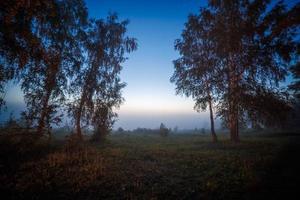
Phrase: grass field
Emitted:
{"points": [[151, 167]]}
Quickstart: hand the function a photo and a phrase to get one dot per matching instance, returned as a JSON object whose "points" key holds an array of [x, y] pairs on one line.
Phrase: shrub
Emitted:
{"points": [[163, 130]]}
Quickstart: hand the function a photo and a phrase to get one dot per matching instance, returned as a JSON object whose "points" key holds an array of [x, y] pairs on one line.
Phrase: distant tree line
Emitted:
{"points": [[62, 59], [234, 55], [163, 131]]}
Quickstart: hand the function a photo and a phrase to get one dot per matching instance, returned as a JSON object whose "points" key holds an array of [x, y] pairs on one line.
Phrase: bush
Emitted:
{"points": [[163, 130]]}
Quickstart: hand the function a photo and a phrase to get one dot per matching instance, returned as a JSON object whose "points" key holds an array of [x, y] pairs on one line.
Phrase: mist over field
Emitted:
{"points": [[131, 121], [132, 114]]}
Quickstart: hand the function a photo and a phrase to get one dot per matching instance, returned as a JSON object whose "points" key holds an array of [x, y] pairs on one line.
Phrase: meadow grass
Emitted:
{"points": [[142, 166]]}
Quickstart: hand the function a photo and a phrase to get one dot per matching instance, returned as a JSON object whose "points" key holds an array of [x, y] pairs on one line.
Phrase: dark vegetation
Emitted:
{"points": [[147, 166]]}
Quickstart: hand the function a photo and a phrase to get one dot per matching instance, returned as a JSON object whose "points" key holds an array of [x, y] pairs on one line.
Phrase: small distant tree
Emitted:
{"points": [[163, 130], [120, 130], [175, 130]]}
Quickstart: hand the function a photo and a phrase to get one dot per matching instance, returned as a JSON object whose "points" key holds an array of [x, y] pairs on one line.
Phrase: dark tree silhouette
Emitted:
{"points": [[253, 43], [196, 68], [28, 30], [39, 43], [97, 88], [163, 130], [295, 85], [44, 81], [257, 46], [18, 43]]}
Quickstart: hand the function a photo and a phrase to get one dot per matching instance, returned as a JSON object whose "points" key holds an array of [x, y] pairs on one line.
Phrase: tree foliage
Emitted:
{"points": [[295, 69], [39, 43], [252, 44], [57, 54], [97, 87], [196, 69], [32, 31]]}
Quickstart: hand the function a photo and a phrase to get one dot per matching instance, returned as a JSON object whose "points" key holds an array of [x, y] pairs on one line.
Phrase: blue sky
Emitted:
{"points": [[149, 96]]}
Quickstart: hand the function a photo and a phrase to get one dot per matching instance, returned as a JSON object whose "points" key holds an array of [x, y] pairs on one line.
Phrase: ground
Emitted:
{"points": [[151, 167]]}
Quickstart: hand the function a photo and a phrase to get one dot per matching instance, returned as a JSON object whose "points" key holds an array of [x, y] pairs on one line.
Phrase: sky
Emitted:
{"points": [[149, 96]]}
